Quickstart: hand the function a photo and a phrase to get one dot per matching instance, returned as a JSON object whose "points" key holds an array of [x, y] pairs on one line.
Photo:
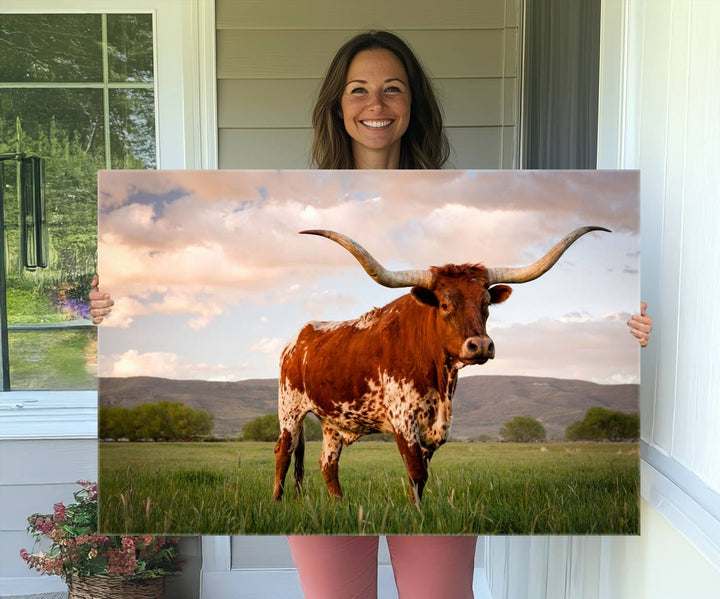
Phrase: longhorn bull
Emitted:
{"points": [[394, 369]]}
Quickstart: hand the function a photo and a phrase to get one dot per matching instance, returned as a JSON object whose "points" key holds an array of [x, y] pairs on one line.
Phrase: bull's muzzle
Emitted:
{"points": [[477, 350]]}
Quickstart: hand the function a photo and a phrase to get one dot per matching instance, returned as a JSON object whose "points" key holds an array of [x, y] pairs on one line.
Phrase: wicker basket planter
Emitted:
{"points": [[116, 587]]}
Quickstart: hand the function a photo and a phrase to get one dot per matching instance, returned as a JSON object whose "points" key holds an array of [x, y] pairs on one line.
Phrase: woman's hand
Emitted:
{"points": [[100, 303], [641, 325]]}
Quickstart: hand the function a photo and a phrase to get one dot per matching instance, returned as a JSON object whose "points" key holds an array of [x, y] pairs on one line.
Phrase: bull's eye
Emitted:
{"points": [[444, 307]]}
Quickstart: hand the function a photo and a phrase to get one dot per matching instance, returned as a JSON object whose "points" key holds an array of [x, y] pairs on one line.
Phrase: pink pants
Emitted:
{"points": [[425, 567]]}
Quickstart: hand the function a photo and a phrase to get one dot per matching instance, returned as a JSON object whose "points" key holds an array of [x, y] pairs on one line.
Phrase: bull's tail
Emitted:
{"points": [[300, 461]]}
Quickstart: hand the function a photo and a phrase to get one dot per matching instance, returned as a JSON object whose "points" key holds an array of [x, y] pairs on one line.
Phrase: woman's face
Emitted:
{"points": [[375, 103]]}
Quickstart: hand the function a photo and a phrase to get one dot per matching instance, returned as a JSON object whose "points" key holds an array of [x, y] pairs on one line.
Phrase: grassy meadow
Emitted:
{"points": [[474, 488]]}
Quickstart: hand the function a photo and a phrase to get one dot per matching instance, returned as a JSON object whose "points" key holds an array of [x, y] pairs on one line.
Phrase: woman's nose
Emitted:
{"points": [[376, 100]]}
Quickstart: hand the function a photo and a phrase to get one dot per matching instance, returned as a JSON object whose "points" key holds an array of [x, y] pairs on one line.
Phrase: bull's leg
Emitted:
{"points": [[299, 463], [287, 443], [416, 460], [331, 448]]}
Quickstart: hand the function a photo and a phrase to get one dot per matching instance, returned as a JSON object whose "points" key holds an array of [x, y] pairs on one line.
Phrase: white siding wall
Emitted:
{"points": [[672, 128], [35, 476], [660, 84], [47, 443], [271, 58], [677, 128]]}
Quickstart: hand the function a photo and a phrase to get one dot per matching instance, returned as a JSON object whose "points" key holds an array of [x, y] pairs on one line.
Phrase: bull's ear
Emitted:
{"points": [[499, 293], [424, 296]]}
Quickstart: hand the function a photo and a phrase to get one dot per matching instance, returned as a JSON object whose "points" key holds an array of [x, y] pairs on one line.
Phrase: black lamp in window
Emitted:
{"points": [[33, 213], [33, 230], [34, 237]]}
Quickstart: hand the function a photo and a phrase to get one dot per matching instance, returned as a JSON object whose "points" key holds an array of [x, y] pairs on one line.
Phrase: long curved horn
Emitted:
{"points": [[388, 278], [524, 274]]}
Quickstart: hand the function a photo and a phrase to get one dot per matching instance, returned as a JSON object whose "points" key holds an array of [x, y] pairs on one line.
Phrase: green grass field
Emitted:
{"points": [[474, 488]]}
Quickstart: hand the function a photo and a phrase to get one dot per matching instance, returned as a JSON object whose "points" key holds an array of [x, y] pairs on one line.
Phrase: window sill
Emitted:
{"points": [[48, 415]]}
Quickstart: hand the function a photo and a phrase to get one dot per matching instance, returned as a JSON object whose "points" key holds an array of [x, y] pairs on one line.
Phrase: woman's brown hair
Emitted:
{"points": [[424, 144]]}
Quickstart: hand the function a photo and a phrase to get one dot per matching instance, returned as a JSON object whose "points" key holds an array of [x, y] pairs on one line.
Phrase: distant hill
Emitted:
{"points": [[481, 404]]}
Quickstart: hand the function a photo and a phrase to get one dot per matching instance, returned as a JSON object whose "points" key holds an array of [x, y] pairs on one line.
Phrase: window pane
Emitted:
{"points": [[50, 48], [132, 128], [53, 121], [65, 127], [130, 47], [53, 360]]}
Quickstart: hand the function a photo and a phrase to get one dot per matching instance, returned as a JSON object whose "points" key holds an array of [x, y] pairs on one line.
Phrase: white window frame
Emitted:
{"points": [[186, 132]]}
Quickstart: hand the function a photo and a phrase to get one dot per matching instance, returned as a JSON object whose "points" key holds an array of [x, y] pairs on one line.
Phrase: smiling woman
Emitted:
{"points": [[375, 108], [364, 106]]}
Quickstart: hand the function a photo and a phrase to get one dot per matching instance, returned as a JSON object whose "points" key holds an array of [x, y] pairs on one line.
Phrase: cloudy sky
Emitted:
{"points": [[211, 278]]}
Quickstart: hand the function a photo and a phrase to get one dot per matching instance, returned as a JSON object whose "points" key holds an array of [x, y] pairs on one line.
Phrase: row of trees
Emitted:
{"points": [[163, 421], [173, 421]]}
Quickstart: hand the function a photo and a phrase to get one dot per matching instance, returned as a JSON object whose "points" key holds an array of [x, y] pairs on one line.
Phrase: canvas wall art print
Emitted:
{"points": [[369, 352]]}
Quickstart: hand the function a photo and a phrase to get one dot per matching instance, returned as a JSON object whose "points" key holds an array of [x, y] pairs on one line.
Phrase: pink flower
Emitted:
{"points": [[128, 543], [90, 488], [24, 555], [59, 512], [43, 526], [121, 562]]}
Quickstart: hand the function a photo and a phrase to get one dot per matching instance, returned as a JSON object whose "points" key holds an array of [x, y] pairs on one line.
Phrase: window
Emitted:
{"points": [[78, 91]]}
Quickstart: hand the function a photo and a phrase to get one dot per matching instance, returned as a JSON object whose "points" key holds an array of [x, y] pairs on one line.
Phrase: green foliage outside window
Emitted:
{"points": [[59, 101]]}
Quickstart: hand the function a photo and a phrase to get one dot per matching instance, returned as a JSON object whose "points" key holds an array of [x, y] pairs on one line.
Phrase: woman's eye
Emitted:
{"points": [[357, 90], [393, 89]]}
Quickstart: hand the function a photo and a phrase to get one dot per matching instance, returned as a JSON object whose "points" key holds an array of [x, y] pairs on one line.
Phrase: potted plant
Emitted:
{"points": [[97, 566]]}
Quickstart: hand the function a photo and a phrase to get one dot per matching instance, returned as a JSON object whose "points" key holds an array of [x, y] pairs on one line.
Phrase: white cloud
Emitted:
{"points": [[123, 312], [598, 349], [166, 365], [269, 345], [198, 244], [320, 302]]}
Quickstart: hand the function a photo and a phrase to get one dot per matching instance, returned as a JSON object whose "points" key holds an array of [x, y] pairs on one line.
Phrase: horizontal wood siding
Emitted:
{"points": [[307, 54], [271, 59], [35, 475], [331, 14], [287, 103]]}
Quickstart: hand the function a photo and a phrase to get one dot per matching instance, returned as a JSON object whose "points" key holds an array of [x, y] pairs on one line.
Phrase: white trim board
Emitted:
{"points": [[692, 508], [48, 415]]}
